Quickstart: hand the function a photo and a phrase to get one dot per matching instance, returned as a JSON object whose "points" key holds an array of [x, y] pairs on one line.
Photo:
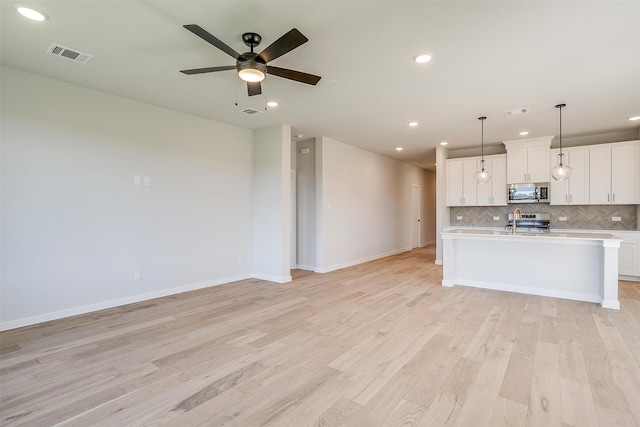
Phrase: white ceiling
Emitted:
{"points": [[488, 57]]}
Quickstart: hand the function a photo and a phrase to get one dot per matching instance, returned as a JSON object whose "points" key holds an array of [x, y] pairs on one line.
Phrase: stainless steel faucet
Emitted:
{"points": [[517, 214]]}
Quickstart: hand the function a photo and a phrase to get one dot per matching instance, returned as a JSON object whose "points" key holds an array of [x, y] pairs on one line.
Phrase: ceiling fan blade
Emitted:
{"points": [[254, 88], [284, 44], [298, 76], [208, 69], [206, 36]]}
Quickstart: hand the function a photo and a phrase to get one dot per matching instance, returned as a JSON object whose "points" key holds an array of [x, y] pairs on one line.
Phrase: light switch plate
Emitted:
{"points": [[616, 218]]}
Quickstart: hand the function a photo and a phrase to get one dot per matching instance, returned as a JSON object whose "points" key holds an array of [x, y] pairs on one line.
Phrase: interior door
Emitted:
{"points": [[415, 216]]}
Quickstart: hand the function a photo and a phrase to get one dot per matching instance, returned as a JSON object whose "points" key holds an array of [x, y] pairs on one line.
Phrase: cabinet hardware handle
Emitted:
{"points": [[614, 198]]}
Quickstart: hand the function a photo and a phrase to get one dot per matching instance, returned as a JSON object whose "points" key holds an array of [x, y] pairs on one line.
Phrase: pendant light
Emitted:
{"points": [[482, 176], [561, 171]]}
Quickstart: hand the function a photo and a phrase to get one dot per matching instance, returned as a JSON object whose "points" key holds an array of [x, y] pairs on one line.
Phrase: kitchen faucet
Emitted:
{"points": [[517, 214]]}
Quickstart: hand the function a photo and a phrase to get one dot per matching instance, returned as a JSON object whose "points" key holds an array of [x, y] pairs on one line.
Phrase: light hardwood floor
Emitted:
{"points": [[379, 344]]}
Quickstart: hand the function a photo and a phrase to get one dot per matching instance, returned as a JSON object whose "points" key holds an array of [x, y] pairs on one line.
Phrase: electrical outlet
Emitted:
{"points": [[562, 218], [616, 218], [147, 181], [137, 275], [459, 217], [496, 218], [239, 259], [136, 180]]}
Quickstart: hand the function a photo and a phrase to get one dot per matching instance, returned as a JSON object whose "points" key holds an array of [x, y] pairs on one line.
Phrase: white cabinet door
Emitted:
{"points": [[613, 175], [454, 183], [578, 182], [494, 192], [469, 184], [622, 175], [499, 180], [600, 175], [558, 190], [517, 165], [461, 183], [629, 253], [538, 164]]}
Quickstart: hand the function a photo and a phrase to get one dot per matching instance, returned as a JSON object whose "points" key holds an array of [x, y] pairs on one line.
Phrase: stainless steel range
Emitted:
{"points": [[530, 222]]}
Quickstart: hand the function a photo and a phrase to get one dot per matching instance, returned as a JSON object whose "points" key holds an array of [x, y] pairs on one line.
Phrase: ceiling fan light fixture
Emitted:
{"points": [[252, 75]]}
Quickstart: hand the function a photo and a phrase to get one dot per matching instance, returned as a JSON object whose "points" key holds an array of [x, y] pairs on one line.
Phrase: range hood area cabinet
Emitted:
{"points": [[575, 190], [464, 190], [614, 173], [528, 160]]}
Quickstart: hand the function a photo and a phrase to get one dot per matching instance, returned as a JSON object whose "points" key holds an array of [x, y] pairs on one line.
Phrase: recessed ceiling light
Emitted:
{"points": [[299, 135], [413, 124], [634, 118], [523, 133], [31, 13], [398, 148], [422, 58], [272, 104], [444, 143]]}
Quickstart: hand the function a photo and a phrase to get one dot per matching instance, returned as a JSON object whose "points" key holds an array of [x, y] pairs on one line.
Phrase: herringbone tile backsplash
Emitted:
{"points": [[591, 217]]}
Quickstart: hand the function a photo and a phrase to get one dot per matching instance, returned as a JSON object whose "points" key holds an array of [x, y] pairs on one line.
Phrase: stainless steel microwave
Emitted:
{"points": [[531, 192]]}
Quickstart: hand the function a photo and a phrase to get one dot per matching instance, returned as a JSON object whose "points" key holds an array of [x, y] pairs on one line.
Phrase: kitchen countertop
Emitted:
{"points": [[549, 235]]}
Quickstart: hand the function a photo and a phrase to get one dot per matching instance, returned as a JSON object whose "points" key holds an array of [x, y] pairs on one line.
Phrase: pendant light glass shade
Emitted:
{"points": [[482, 176], [561, 171]]}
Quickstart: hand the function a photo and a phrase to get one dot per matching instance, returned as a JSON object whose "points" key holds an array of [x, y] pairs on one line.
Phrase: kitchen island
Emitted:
{"points": [[577, 266]]}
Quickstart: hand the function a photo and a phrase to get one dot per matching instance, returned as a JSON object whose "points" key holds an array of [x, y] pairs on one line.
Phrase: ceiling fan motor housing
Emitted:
{"points": [[253, 61]]}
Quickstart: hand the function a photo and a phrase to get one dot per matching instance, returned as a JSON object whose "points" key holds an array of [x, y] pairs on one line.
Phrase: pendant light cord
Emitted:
{"points": [[482, 119], [560, 106]]}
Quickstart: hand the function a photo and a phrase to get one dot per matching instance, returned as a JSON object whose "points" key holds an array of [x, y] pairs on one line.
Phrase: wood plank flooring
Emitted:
{"points": [[378, 344]]}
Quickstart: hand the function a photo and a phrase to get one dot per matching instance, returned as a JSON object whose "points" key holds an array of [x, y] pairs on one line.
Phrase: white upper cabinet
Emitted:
{"points": [[575, 190], [614, 173], [494, 192], [464, 190], [528, 160], [461, 183]]}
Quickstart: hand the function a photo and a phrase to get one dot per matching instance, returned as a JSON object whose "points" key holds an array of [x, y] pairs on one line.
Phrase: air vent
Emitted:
{"points": [[72, 54], [251, 111], [516, 111]]}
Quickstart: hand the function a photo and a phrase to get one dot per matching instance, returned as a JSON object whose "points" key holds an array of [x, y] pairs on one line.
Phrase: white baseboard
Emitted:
{"points": [[305, 267], [269, 278], [28, 321], [358, 261], [438, 262], [432, 242]]}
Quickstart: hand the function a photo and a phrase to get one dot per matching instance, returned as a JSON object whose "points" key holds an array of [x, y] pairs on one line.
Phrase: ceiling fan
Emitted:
{"points": [[253, 67]]}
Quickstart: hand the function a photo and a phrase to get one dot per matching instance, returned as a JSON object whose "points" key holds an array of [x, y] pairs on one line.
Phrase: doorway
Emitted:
{"points": [[415, 217]]}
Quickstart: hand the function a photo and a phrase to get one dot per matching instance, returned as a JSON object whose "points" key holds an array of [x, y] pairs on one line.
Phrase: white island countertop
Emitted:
{"points": [[526, 235], [571, 265]]}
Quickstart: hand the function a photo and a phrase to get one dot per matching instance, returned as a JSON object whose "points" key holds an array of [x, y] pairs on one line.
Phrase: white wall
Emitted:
{"points": [[74, 225], [363, 204], [306, 205], [271, 203], [429, 209]]}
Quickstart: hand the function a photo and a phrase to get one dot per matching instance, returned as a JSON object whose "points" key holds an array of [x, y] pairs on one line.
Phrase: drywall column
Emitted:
{"points": [[442, 212], [306, 200], [271, 203]]}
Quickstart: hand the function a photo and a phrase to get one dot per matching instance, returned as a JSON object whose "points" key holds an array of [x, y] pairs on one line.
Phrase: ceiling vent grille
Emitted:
{"points": [[517, 111], [250, 111], [72, 54]]}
